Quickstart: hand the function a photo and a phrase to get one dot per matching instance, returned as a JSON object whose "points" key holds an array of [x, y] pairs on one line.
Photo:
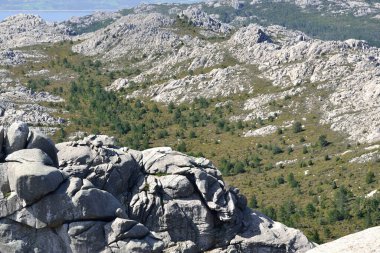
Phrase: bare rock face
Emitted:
{"points": [[119, 84], [219, 82], [79, 25], [11, 57], [108, 199], [32, 180], [25, 30], [365, 242], [1, 141], [16, 137], [200, 18], [236, 4], [38, 140], [143, 33], [18, 103]]}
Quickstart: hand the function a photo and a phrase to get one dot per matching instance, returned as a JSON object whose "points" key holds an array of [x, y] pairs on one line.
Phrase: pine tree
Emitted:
{"points": [[253, 202]]}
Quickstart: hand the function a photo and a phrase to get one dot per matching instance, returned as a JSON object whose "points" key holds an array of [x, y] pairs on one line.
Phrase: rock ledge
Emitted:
{"points": [[102, 198]]}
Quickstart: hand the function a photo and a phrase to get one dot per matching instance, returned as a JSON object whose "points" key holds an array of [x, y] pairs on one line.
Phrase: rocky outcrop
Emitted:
{"points": [[364, 242], [11, 57], [88, 23], [18, 103], [347, 72], [222, 82], [119, 84], [25, 30], [236, 4], [352, 7], [103, 198], [199, 18], [142, 33]]}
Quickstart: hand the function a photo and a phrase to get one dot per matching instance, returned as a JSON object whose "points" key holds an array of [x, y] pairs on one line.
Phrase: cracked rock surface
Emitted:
{"points": [[102, 198]]}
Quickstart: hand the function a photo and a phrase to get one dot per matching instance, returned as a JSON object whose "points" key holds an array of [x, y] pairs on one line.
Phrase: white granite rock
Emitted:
{"points": [[366, 241]]}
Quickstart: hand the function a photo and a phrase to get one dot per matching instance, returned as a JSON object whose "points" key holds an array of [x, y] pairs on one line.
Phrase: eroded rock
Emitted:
{"points": [[38, 140], [108, 199], [16, 138], [32, 181]]}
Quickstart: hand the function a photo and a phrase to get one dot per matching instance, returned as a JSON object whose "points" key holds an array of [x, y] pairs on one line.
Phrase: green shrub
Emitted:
{"points": [[277, 150], [297, 127], [370, 177], [182, 147], [292, 181], [322, 141], [310, 210], [270, 212], [253, 202], [280, 179]]}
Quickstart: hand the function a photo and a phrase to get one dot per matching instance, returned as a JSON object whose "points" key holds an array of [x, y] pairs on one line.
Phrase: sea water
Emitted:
{"points": [[51, 16]]}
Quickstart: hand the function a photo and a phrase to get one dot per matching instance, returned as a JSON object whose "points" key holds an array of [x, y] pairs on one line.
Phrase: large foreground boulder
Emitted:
{"points": [[103, 198], [31, 175]]}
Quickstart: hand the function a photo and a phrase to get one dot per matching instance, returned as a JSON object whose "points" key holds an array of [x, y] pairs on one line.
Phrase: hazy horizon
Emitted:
{"points": [[75, 5], [60, 11]]}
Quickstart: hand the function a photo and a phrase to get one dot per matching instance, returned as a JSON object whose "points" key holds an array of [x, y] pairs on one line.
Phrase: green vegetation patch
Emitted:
{"points": [[297, 175]]}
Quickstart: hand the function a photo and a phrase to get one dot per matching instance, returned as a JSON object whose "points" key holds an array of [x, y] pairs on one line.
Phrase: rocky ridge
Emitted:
{"points": [[92, 196], [79, 24], [25, 30], [336, 67], [347, 72], [354, 7], [285, 58], [357, 8], [18, 103], [200, 18], [236, 4], [145, 33]]}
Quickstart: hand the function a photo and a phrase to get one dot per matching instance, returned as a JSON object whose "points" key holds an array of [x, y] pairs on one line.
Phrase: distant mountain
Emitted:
{"points": [[77, 5], [283, 95]]}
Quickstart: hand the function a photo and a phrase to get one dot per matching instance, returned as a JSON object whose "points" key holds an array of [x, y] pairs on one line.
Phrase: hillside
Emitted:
{"points": [[324, 19], [279, 111], [92, 196]]}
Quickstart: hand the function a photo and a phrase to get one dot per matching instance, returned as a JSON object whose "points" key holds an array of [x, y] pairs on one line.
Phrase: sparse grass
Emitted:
{"points": [[206, 130]]}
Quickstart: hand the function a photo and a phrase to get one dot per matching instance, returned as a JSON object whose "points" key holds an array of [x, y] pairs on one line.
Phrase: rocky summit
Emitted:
{"points": [[25, 30], [91, 196]]}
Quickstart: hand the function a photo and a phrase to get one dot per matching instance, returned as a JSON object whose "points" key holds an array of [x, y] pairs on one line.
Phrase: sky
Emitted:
{"points": [[6, 5], [61, 10]]}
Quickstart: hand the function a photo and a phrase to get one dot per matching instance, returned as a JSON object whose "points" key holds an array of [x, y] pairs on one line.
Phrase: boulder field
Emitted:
{"points": [[91, 196]]}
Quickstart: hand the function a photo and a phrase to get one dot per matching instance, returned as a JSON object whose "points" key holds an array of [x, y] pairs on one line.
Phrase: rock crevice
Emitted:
{"points": [[102, 198]]}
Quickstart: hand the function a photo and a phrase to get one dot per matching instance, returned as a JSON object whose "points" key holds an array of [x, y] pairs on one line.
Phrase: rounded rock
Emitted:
{"points": [[16, 138]]}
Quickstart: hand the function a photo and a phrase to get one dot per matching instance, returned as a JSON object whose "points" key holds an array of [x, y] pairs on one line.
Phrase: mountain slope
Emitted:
{"points": [[325, 19], [348, 71], [280, 112], [103, 198]]}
